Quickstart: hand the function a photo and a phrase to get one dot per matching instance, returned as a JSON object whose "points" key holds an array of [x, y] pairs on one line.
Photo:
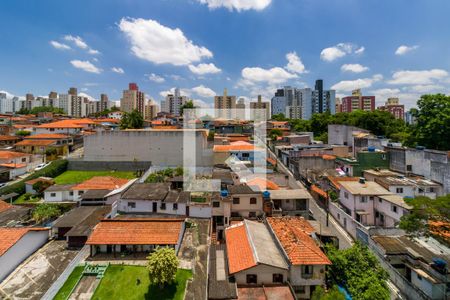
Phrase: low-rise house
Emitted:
{"points": [[141, 235], [245, 202], [365, 160], [8, 140], [17, 244], [244, 151], [13, 215], [12, 157], [290, 202], [307, 262], [421, 266], [68, 126], [14, 170], [253, 256], [76, 225], [105, 184], [45, 181], [411, 187], [59, 193], [389, 209]]}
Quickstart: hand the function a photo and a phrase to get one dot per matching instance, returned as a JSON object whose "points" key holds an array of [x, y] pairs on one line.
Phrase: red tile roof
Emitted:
{"points": [[14, 166], [10, 236], [69, 123], [239, 251], [263, 184], [293, 234], [319, 191], [8, 138], [35, 143], [136, 232], [11, 154], [101, 183], [47, 136], [236, 146], [4, 206], [335, 180]]}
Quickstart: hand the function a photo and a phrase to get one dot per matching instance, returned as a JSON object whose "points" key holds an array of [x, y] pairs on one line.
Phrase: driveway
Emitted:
{"points": [[35, 276]]}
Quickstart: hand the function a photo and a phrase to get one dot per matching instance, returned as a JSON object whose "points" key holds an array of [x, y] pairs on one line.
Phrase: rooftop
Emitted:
{"points": [[146, 191], [263, 184], [4, 206], [366, 188], [35, 143], [59, 187], [381, 172], [10, 236], [136, 232], [241, 189], [250, 243], [11, 154], [47, 136], [290, 194], [294, 236], [265, 293], [69, 123], [219, 285], [101, 183], [335, 181], [396, 199], [237, 146], [9, 138]]}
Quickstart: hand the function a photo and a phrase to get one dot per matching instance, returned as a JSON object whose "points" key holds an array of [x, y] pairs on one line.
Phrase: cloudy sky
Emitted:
{"points": [[387, 48]]}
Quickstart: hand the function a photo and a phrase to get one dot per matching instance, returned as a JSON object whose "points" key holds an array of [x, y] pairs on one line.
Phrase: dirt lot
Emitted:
{"points": [[35, 276]]}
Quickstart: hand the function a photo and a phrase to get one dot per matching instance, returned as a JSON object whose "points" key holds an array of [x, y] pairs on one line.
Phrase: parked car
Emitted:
{"points": [[41, 166]]}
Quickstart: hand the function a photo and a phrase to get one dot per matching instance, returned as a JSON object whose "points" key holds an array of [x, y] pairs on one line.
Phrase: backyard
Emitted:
{"points": [[132, 282], [70, 177], [70, 283]]}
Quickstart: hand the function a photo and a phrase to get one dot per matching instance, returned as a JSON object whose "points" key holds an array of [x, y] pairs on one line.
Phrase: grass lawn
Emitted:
{"points": [[70, 177], [22, 199], [132, 282], [67, 287]]}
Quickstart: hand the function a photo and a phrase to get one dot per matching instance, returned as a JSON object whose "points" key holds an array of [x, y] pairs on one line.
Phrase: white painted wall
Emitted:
{"points": [[21, 250], [59, 196], [264, 273]]}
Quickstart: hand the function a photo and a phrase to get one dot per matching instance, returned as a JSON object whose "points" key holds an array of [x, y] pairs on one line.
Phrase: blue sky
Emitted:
{"points": [[388, 48]]}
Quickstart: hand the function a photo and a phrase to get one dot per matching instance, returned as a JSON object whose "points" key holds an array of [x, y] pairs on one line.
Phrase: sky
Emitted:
{"points": [[387, 48]]}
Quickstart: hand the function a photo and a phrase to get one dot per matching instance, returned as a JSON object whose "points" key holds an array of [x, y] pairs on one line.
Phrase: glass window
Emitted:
{"points": [[252, 214], [163, 206], [132, 204], [175, 206], [216, 204], [399, 190], [394, 208], [253, 200], [252, 279], [52, 194], [236, 201], [277, 278], [346, 195]]}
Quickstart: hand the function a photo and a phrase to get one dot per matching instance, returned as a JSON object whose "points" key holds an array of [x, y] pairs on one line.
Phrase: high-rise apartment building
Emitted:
{"points": [[173, 102], [321, 101], [394, 107], [226, 104], [103, 104], [132, 99], [240, 109], [29, 98], [151, 109], [358, 102], [65, 103], [278, 103], [257, 107]]}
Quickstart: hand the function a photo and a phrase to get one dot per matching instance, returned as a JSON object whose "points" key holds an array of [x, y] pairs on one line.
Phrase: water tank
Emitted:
{"points": [[224, 193], [266, 194], [371, 149]]}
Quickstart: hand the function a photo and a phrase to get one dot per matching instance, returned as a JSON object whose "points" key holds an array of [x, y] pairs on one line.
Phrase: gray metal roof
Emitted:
{"points": [[146, 191], [59, 187]]}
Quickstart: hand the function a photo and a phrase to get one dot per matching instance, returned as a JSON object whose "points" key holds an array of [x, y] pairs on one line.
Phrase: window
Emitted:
{"points": [[252, 279], [431, 189], [253, 200], [300, 289], [380, 200], [346, 195], [307, 271], [363, 199], [52, 194], [70, 193], [216, 204], [80, 192], [277, 278], [245, 155], [394, 208], [399, 190], [419, 277], [163, 206], [252, 214], [236, 201], [132, 204], [24, 159], [175, 206], [409, 168]]}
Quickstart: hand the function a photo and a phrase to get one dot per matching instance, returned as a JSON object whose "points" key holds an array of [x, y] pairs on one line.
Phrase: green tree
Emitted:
{"points": [[189, 104], [45, 211], [40, 186], [23, 133], [51, 151], [279, 117], [332, 294], [132, 120], [432, 127], [359, 271], [162, 266], [274, 133]]}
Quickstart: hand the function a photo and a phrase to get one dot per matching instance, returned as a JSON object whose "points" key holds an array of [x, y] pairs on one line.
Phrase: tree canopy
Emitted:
{"points": [[359, 271], [332, 294], [45, 211], [189, 104], [162, 266], [132, 120], [36, 110]]}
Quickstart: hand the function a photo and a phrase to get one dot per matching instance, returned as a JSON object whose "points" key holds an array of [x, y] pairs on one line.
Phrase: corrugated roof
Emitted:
{"points": [[146, 191]]}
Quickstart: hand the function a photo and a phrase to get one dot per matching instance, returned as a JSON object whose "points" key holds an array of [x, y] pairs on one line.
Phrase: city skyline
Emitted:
{"points": [[256, 52]]}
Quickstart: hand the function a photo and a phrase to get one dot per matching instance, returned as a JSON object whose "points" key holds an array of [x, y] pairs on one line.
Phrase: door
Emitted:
{"points": [[155, 206], [187, 211]]}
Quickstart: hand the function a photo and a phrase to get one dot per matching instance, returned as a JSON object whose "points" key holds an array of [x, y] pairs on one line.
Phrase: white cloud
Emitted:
{"points": [[274, 75], [156, 78], [403, 49], [418, 77], [85, 65], [60, 46], [354, 68], [117, 70], [183, 92], [159, 44], [426, 88], [340, 50], [295, 64], [349, 85], [203, 91], [360, 50], [238, 5], [80, 43], [87, 96], [8, 95], [202, 69], [202, 104]]}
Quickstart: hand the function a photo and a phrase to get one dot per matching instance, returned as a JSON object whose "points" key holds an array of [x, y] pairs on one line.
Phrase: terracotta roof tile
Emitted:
{"points": [[263, 184], [239, 251], [293, 234], [319, 191], [335, 180], [8, 138], [35, 143], [136, 232], [12, 154], [236, 146], [4, 206], [10, 236], [14, 166], [47, 136], [101, 183], [69, 123]]}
